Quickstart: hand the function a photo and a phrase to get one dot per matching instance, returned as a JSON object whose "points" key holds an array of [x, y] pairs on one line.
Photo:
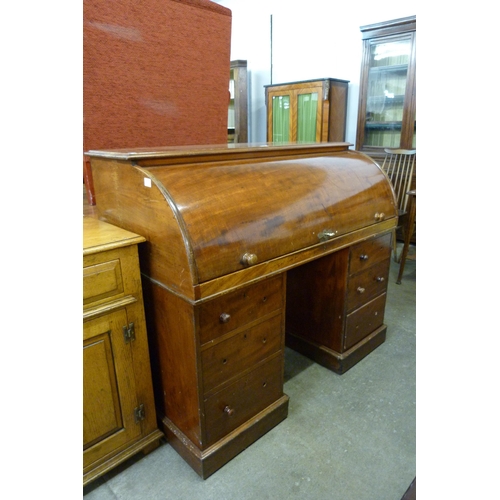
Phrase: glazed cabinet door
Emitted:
{"points": [[308, 102], [280, 117], [109, 393]]}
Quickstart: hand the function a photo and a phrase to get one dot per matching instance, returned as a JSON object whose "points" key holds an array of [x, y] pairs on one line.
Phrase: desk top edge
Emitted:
{"points": [[257, 149]]}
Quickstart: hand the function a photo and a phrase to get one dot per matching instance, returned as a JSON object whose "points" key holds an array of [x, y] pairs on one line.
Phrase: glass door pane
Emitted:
{"points": [[307, 109], [281, 118], [388, 72]]}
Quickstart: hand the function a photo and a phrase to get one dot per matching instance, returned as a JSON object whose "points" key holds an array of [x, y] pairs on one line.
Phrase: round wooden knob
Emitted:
{"points": [[249, 259], [228, 411], [224, 317]]}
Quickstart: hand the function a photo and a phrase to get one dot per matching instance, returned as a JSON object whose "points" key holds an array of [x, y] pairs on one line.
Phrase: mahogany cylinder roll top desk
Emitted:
{"points": [[248, 247]]}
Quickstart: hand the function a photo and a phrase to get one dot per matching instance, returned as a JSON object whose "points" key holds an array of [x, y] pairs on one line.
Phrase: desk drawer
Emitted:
{"points": [[366, 285], [240, 352], [368, 253], [234, 310], [235, 404], [364, 320], [102, 281]]}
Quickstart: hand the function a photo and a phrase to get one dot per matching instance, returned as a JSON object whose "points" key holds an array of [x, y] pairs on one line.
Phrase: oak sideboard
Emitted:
{"points": [[119, 417], [249, 248]]}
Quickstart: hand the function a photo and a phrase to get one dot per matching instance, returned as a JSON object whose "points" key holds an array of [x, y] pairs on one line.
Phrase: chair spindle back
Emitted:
{"points": [[399, 165]]}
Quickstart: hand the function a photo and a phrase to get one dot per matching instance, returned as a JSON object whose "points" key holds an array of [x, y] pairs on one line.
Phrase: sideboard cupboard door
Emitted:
{"points": [[109, 393]]}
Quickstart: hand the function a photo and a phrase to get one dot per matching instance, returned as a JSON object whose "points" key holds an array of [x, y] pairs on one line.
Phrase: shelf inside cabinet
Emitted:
{"points": [[396, 68], [383, 125]]}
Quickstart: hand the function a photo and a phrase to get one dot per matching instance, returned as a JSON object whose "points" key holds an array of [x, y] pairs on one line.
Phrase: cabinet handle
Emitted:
{"points": [[380, 279], [224, 317], [379, 216], [249, 259], [360, 289], [228, 411], [363, 257]]}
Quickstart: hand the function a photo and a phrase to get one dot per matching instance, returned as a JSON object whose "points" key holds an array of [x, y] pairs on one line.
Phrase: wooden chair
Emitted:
{"points": [[399, 165]]}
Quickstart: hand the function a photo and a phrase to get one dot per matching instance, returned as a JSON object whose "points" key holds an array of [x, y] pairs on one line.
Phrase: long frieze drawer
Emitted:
{"points": [[369, 252], [235, 404], [370, 283], [364, 321], [241, 351], [102, 281], [234, 310]]}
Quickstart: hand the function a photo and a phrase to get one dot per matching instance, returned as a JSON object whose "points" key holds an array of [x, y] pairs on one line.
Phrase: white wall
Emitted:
{"points": [[312, 39]]}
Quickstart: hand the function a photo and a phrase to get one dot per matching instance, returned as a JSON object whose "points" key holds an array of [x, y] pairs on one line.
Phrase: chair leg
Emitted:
{"points": [[408, 235], [394, 246]]}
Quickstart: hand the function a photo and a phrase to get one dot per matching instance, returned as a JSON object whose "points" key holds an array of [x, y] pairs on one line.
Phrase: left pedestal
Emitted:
{"points": [[119, 418]]}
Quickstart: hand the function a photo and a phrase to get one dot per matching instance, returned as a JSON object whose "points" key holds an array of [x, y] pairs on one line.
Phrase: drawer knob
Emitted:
{"points": [[363, 257], [360, 289], [224, 317], [228, 411], [380, 279], [249, 259], [380, 216]]}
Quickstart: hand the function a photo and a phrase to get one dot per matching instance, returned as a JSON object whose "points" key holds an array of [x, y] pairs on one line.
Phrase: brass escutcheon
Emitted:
{"points": [[326, 234]]}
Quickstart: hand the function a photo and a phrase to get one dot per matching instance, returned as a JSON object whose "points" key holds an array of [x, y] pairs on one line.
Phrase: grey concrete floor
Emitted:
{"points": [[346, 437]]}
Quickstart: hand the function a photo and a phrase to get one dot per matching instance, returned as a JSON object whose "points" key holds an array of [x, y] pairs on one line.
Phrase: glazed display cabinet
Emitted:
{"points": [[307, 111], [387, 97]]}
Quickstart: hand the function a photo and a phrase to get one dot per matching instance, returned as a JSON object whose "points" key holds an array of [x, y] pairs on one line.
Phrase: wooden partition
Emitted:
{"points": [[155, 73]]}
